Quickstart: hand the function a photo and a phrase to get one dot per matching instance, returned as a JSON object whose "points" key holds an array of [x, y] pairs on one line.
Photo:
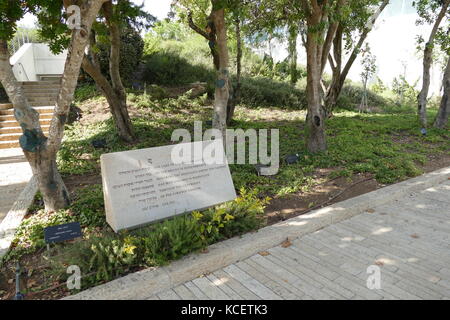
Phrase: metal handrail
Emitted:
{"points": [[24, 71]]}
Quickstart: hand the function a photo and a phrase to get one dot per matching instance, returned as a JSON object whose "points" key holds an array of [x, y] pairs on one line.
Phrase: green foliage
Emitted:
{"points": [[88, 207], [351, 93], [168, 240], [131, 51], [85, 92], [406, 92], [266, 92], [102, 258]]}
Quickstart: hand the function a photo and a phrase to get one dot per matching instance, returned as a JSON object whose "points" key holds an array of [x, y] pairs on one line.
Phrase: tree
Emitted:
{"points": [[430, 11], [222, 93], [322, 21], [369, 70], [444, 109], [113, 18], [350, 36], [195, 13], [113, 90], [277, 19], [40, 150]]}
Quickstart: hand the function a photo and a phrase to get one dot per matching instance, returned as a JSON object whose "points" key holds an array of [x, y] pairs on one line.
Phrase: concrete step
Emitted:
{"points": [[18, 129], [14, 124], [52, 89], [46, 95], [13, 118], [41, 104], [14, 137], [10, 137], [9, 145], [49, 99], [41, 110], [40, 83], [6, 106]]}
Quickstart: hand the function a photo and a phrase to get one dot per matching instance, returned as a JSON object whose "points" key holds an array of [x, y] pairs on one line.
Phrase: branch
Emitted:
{"points": [[441, 16], [197, 29]]}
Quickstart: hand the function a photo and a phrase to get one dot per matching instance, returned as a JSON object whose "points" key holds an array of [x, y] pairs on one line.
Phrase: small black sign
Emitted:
{"points": [[62, 232]]}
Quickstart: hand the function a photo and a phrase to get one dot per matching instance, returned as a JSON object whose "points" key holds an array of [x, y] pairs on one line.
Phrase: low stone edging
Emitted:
{"points": [[150, 281]]}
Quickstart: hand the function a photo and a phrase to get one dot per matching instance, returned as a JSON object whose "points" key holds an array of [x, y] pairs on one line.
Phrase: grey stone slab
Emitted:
{"points": [[299, 290], [184, 293], [245, 293], [224, 287], [211, 290], [196, 291], [269, 283], [298, 279], [168, 295], [252, 284]]}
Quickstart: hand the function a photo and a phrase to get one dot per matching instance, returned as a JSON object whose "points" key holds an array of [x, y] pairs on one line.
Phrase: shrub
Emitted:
{"points": [[351, 96], [266, 92], [106, 257], [85, 92], [168, 68], [131, 51]]}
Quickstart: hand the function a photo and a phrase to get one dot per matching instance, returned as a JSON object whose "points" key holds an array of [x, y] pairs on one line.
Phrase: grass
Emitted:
{"points": [[388, 145]]}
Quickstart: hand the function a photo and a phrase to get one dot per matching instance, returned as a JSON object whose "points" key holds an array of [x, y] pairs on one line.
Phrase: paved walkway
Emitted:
{"points": [[408, 239], [15, 172]]}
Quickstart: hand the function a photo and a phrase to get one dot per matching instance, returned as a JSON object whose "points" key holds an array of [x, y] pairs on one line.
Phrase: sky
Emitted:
{"points": [[393, 42]]}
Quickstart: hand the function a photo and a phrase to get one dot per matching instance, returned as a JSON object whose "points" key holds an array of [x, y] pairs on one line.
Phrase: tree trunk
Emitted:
{"points": [[318, 45], [315, 125], [119, 99], [427, 61], [444, 110], [114, 101], [212, 34], [237, 92], [39, 150], [293, 35], [222, 83]]}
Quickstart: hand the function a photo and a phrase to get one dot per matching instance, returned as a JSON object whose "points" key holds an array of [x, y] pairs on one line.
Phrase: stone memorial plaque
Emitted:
{"points": [[144, 186]]}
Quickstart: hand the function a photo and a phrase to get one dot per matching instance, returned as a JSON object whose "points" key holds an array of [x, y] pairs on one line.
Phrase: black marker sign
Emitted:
{"points": [[62, 232]]}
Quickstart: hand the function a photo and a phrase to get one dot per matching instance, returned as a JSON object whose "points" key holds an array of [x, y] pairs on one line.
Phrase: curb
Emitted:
{"points": [[15, 216], [150, 281]]}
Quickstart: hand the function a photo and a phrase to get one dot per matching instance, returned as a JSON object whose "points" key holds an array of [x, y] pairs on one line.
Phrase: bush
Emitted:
{"points": [[131, 51], [169, 69], [85, 92], [266, 92], [351, 96]]}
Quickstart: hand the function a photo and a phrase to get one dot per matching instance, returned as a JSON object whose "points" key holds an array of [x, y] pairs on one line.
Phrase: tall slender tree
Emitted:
{"points": [[444, 109], [432, 12]]}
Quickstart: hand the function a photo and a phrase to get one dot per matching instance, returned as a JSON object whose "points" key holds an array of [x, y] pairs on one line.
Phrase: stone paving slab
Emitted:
{"points": [[15, 172], [322, 272]]}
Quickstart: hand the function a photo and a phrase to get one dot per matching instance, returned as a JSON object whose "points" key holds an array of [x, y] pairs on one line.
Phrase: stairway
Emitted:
{"points": [[42, 97]]}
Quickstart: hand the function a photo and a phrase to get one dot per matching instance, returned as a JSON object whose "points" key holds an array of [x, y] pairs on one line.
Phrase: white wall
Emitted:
{"points": [[34, 60], [23, 63]]}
